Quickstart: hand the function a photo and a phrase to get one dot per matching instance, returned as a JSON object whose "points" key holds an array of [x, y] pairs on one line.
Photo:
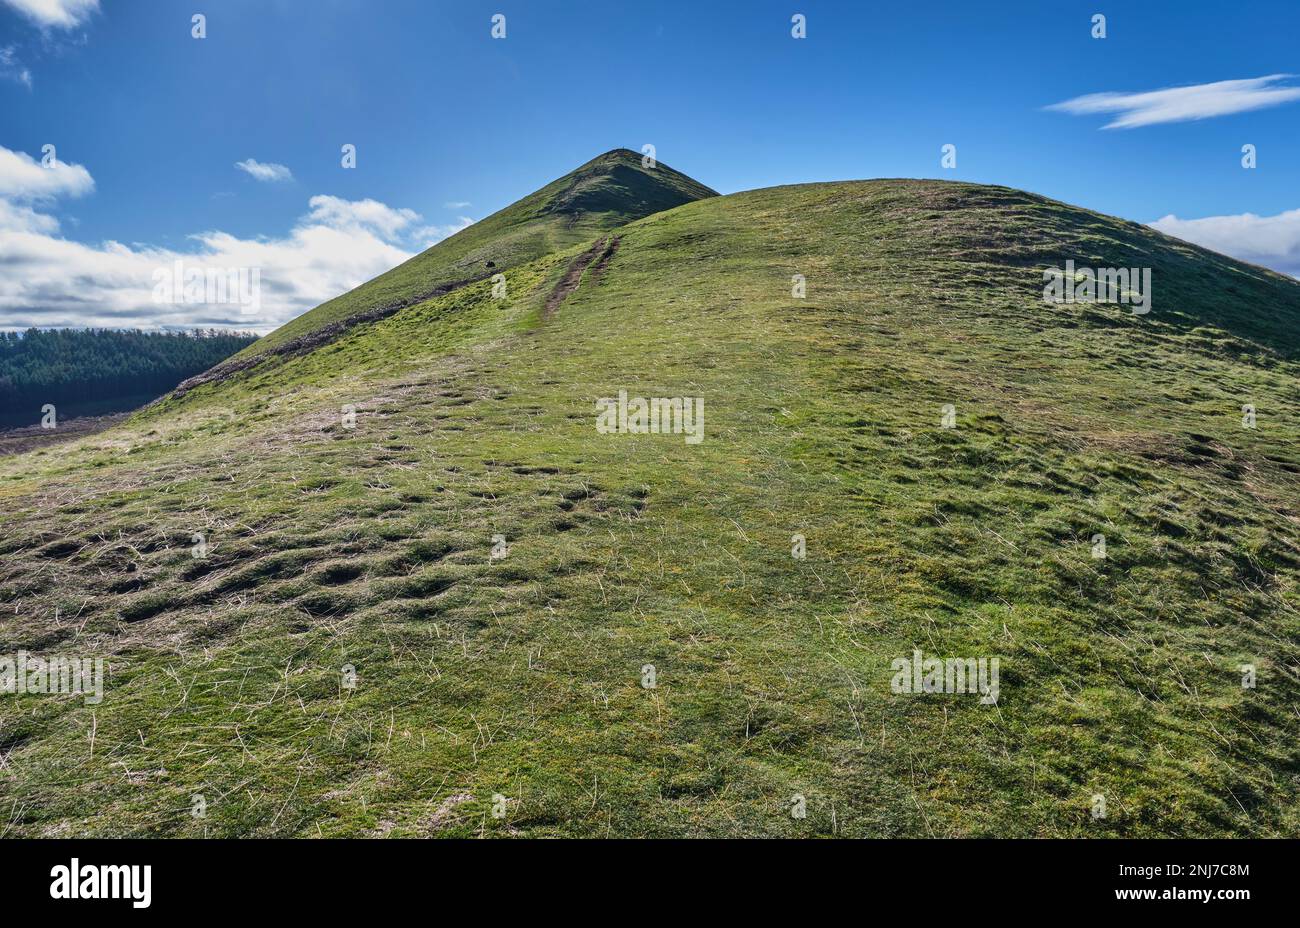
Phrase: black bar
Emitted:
{"points": [[337, 878]]}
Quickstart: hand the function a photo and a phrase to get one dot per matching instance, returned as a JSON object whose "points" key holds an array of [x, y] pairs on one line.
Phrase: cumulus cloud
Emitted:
{"points": [[12, 69], [1180, 104], [55, 14], [1272, 241], [23, 178], [361, 214], [49, 280], [267, 173]]}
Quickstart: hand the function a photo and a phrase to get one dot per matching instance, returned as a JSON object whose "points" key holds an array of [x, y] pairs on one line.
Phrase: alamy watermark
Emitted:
{"points": [[658, 415], [25, 673], [76, 880], [178, 284], [953, 675], [1129, 285]]}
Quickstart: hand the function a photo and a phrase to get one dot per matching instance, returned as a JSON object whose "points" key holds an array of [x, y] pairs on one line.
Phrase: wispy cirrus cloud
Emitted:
{"points": [[1271, 241], [50, 17], [12, 69], [267, 173], [1182, 104], [55, 14]]}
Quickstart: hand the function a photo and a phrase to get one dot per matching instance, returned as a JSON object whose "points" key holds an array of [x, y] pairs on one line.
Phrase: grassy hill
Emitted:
{"points": [[370, 549], [606, 192]]}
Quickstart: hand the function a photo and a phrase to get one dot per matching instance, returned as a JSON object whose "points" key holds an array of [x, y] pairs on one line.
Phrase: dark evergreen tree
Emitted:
{"points": [[74, 368]]}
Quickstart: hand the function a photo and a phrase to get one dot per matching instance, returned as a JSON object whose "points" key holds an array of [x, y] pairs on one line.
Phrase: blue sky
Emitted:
{"points": [[451, 124]]}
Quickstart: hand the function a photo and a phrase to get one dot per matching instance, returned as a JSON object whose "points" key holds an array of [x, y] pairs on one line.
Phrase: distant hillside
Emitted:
{"points": [[604, 193], [91, 372], [404, 582]]}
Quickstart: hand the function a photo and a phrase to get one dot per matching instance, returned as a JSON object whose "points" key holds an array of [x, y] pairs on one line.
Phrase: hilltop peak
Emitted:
{"points": [[622, 184], [623, 154]]}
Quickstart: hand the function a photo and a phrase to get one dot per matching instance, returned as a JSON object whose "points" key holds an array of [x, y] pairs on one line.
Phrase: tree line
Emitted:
{"points": [[75, 367]]}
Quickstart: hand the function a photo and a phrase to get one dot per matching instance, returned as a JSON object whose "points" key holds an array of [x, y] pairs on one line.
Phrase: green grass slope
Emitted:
{"points": [[606, 192], [514, 683]]}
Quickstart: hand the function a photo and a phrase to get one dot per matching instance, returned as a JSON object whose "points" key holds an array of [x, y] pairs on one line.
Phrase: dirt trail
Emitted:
{"points": [[598, 270], [573, 276]]}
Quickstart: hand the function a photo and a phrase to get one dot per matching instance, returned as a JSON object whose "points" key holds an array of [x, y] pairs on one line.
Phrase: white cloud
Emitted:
{"points": [[370, 215], [457, 204], [15, 218], [48, 280], [58, 14], [12, 69], [268, 173], [1180, 104], [1272, 241], [24, 178], [432, 235]]}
